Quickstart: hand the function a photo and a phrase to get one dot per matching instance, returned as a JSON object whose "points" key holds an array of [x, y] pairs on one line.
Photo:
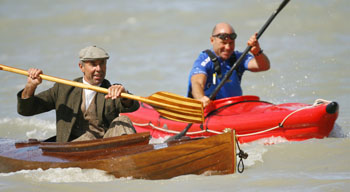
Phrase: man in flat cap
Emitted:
{"points": [[81, 114]]}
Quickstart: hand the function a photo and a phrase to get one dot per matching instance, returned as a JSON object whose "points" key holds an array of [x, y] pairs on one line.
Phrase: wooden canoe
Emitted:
{"points": [[125, 156]]}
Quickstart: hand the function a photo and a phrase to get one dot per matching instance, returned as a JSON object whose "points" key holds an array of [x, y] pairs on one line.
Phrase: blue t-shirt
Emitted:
{"points": [[203, 65]]}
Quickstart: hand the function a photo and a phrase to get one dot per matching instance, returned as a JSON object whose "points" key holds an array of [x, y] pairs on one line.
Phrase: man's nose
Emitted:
{"points": [[231, 46]]}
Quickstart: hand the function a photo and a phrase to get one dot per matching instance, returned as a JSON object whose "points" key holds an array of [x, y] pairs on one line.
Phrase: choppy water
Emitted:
{"points": [[152, 45]]}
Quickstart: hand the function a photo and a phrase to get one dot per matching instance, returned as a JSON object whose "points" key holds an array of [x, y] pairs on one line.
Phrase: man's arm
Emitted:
{"points": [[198, 82], [127, 105], [33, 81], [38, 103], [260, 62]]}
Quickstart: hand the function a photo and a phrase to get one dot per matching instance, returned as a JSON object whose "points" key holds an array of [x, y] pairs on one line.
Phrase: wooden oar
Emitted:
{"points": [[169, 105]]}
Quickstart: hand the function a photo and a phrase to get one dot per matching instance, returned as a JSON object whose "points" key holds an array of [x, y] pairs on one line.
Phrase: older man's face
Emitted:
{"points": [[94, 71]]}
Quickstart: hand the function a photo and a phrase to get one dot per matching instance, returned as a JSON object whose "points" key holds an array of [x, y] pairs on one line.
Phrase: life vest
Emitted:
{"points": [[217, 67]]}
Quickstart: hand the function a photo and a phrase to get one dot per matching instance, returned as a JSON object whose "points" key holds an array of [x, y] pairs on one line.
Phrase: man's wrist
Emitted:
{"points": [[259, 53]]}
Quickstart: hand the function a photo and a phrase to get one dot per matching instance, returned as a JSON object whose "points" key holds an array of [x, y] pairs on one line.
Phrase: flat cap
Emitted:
{"points": [[92, 53]]}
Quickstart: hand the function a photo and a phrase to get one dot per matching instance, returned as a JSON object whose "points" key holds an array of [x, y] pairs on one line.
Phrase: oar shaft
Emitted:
{"points": [[182, 109], [274, 14], [56, 79], [81, 85]]}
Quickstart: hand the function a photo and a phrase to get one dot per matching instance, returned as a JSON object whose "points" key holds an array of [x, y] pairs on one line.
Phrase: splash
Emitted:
{"points": [[158, 140], [338, 132], [30, 127], [255, 153], [67, 175], [256, 149]]}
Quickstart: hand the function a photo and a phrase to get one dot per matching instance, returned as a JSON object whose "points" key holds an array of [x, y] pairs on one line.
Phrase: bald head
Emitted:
{"points": [[222, 28], [223, 40]]}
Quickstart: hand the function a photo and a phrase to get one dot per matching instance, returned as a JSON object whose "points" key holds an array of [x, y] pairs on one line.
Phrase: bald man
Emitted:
{"points": [[212, 65]]}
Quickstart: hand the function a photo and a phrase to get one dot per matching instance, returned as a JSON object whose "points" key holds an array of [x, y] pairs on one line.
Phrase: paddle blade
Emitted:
{"points": [[181, 116], [177, 101], [178, 108]]}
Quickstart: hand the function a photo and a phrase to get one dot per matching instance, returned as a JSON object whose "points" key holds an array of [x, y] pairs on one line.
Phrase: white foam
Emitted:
{"points": [[256, 149], [158, 140], [338, 132], [255, 153], [66, 175], [33, 127]]}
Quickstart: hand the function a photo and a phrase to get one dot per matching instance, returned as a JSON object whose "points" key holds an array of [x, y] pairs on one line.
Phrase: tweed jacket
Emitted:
{"points": [[66, 100]]}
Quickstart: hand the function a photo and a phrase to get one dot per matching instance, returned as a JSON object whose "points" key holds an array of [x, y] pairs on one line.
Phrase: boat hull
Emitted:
{"points": [[251, 118], [215, 155]]}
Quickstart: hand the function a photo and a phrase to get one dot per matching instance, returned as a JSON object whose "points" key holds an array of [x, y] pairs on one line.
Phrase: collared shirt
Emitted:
{"points": [[89, 94], [232, 87]]}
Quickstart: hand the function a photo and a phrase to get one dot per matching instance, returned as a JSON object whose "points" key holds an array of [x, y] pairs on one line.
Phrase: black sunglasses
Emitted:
{"points": [[225, 36]]}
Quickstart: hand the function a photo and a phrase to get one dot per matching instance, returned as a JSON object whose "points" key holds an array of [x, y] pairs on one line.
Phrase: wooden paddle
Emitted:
{"points": [[234, 67], [169, 105]]}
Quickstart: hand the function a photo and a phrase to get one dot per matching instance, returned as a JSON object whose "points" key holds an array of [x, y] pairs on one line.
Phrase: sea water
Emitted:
{"points": [[152, 45]]}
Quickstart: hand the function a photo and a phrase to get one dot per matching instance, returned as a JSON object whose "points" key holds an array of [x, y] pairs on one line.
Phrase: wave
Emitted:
{"points": [[22, 128]]}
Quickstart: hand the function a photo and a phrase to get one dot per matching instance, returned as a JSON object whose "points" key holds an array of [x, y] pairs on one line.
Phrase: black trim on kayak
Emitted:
{"points": [[142, 105], [50, 139], [332, 107]]}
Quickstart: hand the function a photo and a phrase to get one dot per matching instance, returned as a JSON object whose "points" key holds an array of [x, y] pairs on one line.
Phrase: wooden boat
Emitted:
{"points": [[125, 156], [251, 118]]}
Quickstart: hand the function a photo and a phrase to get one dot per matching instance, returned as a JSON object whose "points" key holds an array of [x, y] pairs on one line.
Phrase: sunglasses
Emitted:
{"points": [[225, 36]]}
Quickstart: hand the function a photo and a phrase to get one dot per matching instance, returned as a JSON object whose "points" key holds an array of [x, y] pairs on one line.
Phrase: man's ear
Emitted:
{"points": [[81, 66], [211, 40]]}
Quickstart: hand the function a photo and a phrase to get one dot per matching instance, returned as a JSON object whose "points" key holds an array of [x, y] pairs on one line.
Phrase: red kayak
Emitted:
{"points": [[251, 118]]}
